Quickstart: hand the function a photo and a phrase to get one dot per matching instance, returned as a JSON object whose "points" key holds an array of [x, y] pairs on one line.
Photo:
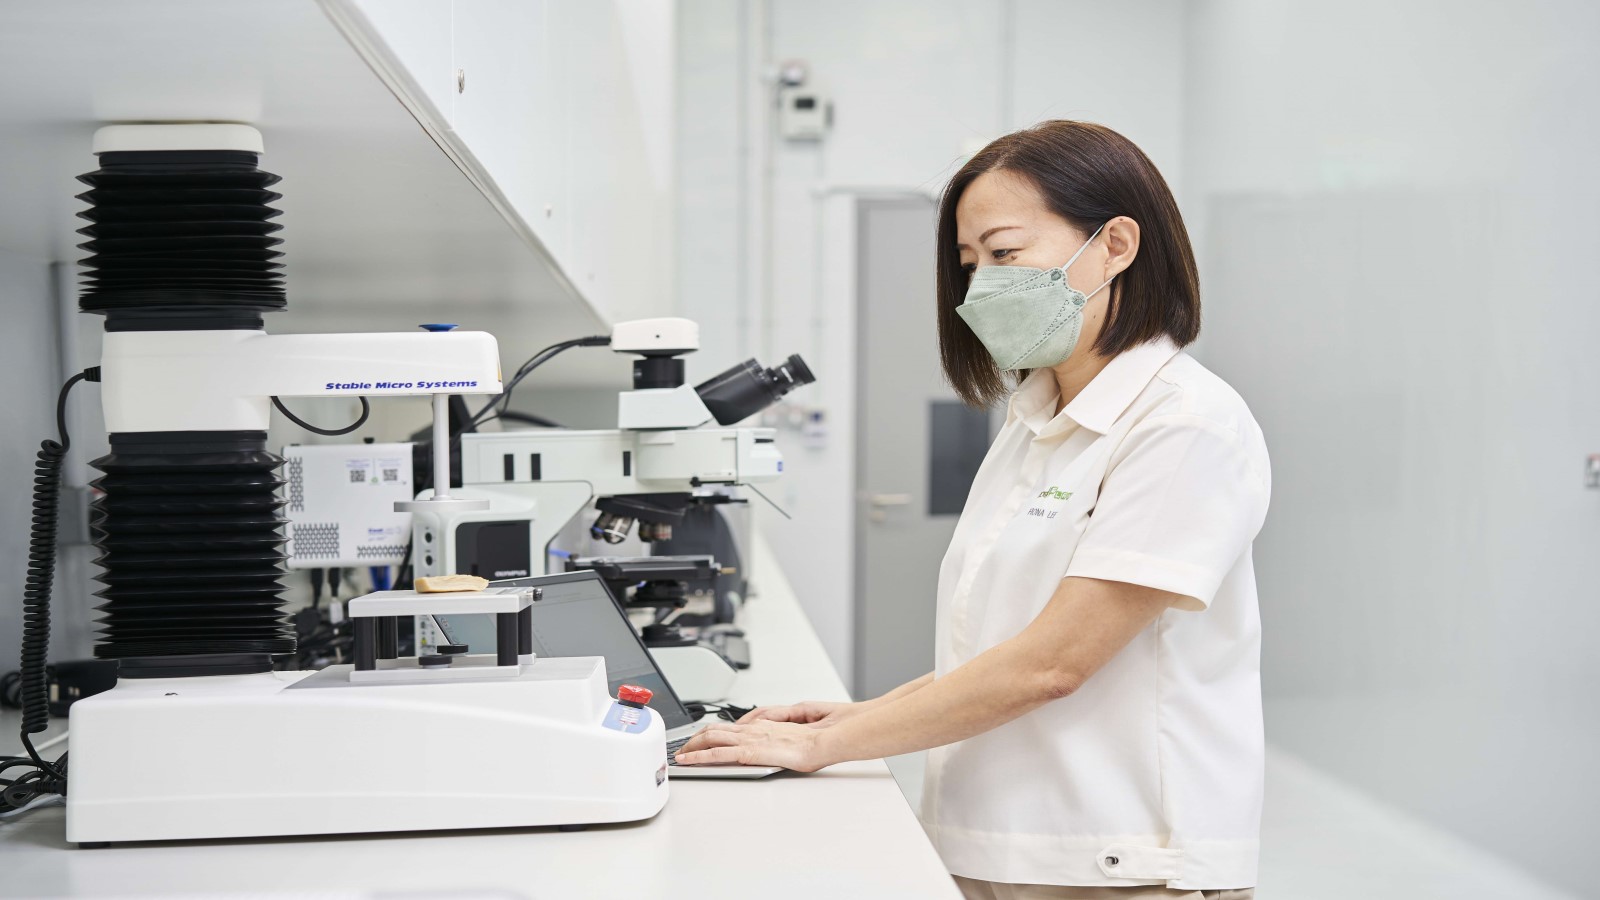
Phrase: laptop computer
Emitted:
{"points": [[578, 616]]}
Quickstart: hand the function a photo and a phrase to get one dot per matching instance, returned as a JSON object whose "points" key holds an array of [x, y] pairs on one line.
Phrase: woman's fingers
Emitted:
{"points": [[726, 756], [763, 743], [795, 713], [711, 736]]}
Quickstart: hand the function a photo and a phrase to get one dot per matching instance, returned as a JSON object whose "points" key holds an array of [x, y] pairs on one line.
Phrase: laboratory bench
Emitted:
{"points": [[843, 832]]}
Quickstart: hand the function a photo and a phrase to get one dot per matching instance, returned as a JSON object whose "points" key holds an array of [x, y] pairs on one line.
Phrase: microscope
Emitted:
{"points": [[200, 738], [659, 465]]}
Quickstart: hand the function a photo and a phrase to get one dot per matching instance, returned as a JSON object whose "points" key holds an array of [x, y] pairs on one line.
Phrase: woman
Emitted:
{"points": [[1094, 717]]}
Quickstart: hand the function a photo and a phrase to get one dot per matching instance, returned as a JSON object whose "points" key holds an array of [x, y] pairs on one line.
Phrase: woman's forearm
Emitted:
{"points": [[1086, 623], [980, 695], [903, 690]]}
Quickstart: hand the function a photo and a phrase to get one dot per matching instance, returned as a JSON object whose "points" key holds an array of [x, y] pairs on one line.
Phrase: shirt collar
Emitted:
{"points": [[1102, 400], [1034, 402]]}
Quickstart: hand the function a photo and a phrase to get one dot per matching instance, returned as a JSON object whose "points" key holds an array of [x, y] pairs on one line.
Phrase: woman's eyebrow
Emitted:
{"points": [[985, 236]]}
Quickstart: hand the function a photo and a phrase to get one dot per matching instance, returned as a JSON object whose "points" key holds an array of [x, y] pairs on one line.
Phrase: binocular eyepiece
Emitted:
{"points": [[747, 388]]}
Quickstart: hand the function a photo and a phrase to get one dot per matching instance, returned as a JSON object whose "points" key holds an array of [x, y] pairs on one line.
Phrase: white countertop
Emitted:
{"points": [[845, 831]]}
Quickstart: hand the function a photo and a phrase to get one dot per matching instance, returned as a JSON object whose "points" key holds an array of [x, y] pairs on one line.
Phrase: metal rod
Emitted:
{"points": [[441, 446], [525, 631]]}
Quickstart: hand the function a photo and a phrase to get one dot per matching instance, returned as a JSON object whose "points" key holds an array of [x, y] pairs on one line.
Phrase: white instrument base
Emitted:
{"points": [[290, 753]]}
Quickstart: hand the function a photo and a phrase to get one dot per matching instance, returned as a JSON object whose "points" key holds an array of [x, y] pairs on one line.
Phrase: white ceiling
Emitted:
{"points": [[382, 230]]}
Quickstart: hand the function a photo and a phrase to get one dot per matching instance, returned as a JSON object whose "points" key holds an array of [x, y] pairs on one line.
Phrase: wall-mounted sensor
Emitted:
{"points": [[804, 114]]}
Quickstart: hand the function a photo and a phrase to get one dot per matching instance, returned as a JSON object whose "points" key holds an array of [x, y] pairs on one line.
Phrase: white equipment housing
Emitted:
{"points": [[341, 504], [516, 741], [289, 753], [150, 382], [644, 409]]}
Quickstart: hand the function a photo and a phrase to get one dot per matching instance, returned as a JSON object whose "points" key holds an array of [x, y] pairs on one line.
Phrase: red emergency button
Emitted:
{"points": [[633, 695]]}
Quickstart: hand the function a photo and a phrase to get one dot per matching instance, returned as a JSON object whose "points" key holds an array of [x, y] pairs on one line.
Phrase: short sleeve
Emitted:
{"points": [[1181, 502]]}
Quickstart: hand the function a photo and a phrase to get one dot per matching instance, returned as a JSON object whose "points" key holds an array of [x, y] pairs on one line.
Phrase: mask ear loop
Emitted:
{"points": [[1068, 264], [1087, 297]]}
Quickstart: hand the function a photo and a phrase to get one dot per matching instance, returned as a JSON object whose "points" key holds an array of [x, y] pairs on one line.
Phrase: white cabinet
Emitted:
{"points": [[510, 109], [418, 33], [560, 109]]}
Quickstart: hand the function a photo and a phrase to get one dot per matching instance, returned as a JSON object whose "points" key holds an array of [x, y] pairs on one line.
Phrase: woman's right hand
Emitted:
{"points": [[816, 713]]}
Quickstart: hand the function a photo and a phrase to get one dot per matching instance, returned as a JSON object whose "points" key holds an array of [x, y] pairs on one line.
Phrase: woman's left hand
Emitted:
{"points": [[796, 747]]}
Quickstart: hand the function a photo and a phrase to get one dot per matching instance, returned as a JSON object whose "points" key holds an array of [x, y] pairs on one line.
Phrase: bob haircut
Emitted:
{"points": [[1088, 175]]}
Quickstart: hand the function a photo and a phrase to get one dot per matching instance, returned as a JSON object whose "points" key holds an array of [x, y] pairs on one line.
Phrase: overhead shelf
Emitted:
{"points": [[383, 228]]}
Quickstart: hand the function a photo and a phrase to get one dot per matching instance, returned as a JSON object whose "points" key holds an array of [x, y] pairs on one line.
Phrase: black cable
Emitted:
{"points": [[403, 573], [534, 362], [48, 777], [698, 710], [512, 415], [366, 410]]}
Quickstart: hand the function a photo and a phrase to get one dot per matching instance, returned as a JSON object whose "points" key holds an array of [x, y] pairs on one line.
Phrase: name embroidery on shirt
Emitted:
{"points": [[1050, 493]]}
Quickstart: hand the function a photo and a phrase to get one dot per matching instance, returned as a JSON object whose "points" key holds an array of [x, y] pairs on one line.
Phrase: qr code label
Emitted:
{"points": [[391, 474], [358, 476]]}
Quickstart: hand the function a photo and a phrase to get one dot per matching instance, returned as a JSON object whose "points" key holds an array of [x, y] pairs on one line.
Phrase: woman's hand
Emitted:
{"points": [[764, 743], [815, 713]]}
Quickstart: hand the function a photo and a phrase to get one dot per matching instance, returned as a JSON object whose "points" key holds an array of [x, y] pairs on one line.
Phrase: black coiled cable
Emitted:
{"points": [[35, 694]]}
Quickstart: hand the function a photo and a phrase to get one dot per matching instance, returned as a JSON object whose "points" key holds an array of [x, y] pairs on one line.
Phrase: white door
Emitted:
{"points": [[918, 445]]}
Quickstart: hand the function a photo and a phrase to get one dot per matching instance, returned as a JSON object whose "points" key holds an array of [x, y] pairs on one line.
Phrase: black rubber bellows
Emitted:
{"points": [[188, 522], [192, 545], [178, 234]]}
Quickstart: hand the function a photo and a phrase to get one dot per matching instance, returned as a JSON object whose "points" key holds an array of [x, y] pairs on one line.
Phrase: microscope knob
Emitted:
{"points": [[449, 649]]}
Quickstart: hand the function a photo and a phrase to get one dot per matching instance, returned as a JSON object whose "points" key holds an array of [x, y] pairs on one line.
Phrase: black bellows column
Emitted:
{"points": [[189, 524], [193, 549]]}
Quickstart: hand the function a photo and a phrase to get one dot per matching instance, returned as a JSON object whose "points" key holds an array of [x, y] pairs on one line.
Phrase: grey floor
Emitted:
{"points": [[1322, 839]]}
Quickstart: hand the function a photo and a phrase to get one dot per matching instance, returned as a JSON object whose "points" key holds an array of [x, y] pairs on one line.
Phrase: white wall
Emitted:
{"points": [[1397, 210], [765, 241]]}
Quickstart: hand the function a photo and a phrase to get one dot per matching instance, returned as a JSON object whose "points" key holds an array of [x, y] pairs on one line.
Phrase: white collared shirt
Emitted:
{"points": [[1151, 772]]}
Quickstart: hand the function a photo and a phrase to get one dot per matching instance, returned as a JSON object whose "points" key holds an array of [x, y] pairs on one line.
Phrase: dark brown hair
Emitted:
{"points": [[1088, 175]]}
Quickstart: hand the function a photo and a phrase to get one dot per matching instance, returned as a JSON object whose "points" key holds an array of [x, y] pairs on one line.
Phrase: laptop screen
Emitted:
{"points": [[578, 617]]}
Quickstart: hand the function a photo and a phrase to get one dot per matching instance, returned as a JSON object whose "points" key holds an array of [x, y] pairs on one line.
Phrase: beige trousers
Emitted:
{"points": [[973, 889]]}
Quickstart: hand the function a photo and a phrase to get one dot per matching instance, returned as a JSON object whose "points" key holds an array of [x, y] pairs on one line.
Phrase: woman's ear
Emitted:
{"points": [[1121, 235]]}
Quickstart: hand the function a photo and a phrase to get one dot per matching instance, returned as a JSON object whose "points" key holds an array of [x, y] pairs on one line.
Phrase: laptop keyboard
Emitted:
{"points": [[672, 749]]}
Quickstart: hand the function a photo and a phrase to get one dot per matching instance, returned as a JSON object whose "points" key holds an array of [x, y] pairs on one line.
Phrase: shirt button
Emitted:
{"points": [[1112, 860]]}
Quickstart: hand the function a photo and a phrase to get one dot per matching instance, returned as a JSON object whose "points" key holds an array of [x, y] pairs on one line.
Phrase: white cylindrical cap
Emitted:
{"points": [[178, 136], [651, 336]]}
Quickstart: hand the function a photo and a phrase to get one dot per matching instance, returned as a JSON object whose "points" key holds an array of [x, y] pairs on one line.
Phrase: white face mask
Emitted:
{"points": [[1027, 318]]}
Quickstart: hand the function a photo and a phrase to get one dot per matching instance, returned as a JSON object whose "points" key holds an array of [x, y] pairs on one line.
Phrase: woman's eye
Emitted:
{"points": [[1002, 255], [969, 268]]}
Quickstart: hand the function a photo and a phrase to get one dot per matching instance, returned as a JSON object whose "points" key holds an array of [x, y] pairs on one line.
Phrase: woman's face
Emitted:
{"points": [[1002, 220]]}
